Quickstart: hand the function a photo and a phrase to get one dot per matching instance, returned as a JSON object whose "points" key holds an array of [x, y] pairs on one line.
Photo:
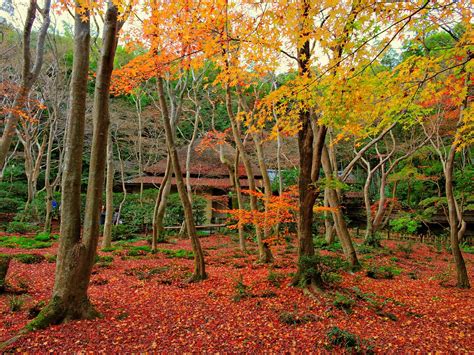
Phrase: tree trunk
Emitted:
{"points": [[339, 222], [199, 265], [30, 72], [76, 255], [248, 170], [47, 178], [109, 194], [160, 207], [328, 223], [4, 264], [455, 233], [268, 194]]}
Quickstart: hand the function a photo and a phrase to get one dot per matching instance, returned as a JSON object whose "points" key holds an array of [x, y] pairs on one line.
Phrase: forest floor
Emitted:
{"points": [[402, 300]]}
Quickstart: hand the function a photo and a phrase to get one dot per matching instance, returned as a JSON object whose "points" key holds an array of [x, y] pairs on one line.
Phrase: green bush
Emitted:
{"points": [[343, 338], [241, 290], [124, 232], [15, 303], [10, 205], [343, 302], [174, 214], [29, 258], [21, 227], [16, 189], [322, 244], [23, 243], [383, 272], [323, 269], [43, 237], [406, 224]]}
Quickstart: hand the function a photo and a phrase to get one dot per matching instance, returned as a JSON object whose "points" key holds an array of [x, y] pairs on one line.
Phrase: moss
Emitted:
{"points": [[56, 312]]}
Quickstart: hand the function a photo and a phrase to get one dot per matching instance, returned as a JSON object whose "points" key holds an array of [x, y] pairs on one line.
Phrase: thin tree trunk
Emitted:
{"points": [[268, 194], [30, 72], [199, 265], [249, 171], [328, 224], [455, 233], [109, 194], [160, 206], [339, 222]]}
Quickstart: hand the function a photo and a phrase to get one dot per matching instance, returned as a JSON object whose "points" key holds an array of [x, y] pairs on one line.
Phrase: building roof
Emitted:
{"points": [[205, 163], [220, 183]]}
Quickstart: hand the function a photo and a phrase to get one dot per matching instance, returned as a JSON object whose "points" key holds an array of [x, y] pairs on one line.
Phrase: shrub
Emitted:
{"points": [[406, 224], [104, 259], [275, 278], [124, 232], [241, 290], [15, 303], [23, 242], [365, 249], [467, 248], [179, 253], [383, 272], [323, 269], [21, 227], [291, 318], [50, 258], [29, 258], [343, 302], [343, 338], [174, 215], [323, 245], [10, 205], [43, 237]]}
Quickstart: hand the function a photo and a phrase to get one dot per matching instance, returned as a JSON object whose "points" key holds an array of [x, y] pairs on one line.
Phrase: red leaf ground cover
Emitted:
{"points": [[147, 306]]}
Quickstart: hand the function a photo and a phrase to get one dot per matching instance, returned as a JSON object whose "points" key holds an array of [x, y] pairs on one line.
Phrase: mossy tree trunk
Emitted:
{"points": [[4, 264]]}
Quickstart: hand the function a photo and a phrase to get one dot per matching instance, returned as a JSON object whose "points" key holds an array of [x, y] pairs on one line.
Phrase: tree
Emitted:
{"points": [[77, 252], [30, 72]]}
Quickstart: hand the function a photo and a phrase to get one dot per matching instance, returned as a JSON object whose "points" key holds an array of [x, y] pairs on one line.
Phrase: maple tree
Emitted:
{"points": [[30, 72]]}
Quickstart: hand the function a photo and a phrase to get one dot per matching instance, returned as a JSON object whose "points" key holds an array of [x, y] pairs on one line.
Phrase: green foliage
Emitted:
{"points": [[104, 259], [343, 338], [174, 214], [15, 303], [21, 227], [180, 253], [10, 205], [289, 177], [43, 237], [323, 269], [23, 242], [365, 249], [343, 302], [405, 224], [383, 272], [124, 232], [291, 318], [467, 248], [135, 214], [29, 258], [241, 290], [322, 244], [275, 278]]}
